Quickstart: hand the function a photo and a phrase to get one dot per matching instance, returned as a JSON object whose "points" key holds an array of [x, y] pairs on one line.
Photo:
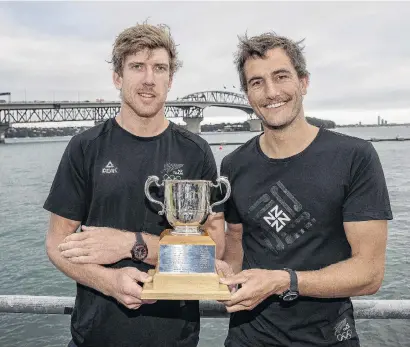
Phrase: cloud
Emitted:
{"points": [[357, 53]]}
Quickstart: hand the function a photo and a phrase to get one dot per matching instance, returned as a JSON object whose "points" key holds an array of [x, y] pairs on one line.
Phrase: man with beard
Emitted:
{"points": [[307, 218], [100, 185]]}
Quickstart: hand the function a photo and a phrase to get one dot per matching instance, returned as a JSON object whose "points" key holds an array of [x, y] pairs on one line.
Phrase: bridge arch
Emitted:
{"points": [[216, 96]]}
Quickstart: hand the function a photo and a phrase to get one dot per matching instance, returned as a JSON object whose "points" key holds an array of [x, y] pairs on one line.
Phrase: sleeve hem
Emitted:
{"points": [[218, 208], [232, 220], [364, 216], [63, 213]]}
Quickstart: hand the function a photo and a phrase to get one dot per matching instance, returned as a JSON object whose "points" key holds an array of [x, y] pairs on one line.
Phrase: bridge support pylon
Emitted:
{"points": [[255, 124], [3, 128], [193, 124]]}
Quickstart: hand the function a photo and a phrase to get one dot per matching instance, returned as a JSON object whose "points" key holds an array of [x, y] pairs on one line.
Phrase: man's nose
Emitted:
{"points": [[149, 77], [272, 90]]}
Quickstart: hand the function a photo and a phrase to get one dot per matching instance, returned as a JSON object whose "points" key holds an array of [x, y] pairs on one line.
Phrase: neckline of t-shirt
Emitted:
{"points": [[141, 138], [292, 157]]}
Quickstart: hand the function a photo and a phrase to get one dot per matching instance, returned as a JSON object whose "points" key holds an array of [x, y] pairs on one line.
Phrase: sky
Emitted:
{"points": [[358, 53]]}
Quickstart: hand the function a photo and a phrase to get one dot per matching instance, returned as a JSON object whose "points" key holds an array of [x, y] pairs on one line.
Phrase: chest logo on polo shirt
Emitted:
{"points": [[110, 168], [281, 217], [172, 171]]}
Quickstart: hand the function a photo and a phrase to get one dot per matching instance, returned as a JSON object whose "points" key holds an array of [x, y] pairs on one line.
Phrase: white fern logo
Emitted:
{"points": [[172, 171], [168, 167]]}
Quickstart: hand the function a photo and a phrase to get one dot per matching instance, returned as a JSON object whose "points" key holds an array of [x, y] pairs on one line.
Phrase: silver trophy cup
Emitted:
{"points": [[185, 269], [187, 202]]}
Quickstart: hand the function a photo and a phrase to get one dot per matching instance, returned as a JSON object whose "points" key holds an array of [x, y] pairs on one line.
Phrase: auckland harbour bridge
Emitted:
{"points": [[190, 108]]}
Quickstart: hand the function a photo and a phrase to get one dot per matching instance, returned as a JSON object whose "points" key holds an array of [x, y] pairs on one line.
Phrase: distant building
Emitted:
{"points": [[233, 127]]}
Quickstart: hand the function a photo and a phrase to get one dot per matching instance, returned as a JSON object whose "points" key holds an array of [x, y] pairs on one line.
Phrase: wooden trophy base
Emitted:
{"points": [[183, 285]]}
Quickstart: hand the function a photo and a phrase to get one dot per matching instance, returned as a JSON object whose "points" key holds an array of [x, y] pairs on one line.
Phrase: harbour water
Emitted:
{"points": [[27, 167]]}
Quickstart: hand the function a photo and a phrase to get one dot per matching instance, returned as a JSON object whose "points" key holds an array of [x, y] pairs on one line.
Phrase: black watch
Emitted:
{"points": [[140, 250], [293, 292]]}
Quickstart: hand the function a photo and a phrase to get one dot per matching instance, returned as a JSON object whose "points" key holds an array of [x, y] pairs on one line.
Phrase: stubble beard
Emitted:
{"points": [[150, 113], [295, 113]]}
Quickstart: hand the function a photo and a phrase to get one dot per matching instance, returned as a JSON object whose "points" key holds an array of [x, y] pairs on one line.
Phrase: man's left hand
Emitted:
{"points": [[97, 245], [224, 270], [257, 285]]}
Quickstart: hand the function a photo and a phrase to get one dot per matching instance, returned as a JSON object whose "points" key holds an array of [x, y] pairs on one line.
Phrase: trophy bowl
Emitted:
{"points": [[187, 202]]}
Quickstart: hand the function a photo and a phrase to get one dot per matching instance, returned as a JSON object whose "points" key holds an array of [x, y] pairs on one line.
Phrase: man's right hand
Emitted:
{"points": [[123, 286]]}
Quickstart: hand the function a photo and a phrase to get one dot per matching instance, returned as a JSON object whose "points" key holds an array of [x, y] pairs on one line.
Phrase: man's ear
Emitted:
{"points": [[304, 84], [117, 79], [171, 78]]}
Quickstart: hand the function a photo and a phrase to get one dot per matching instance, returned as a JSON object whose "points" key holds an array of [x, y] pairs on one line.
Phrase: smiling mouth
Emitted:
{"points": [[147, 95], [276, 105]]}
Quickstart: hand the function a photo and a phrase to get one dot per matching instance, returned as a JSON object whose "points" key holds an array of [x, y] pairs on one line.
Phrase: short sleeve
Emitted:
{"points": [[367, 197], [209, 169], [210, 173], [230, 210], [67, 193]]}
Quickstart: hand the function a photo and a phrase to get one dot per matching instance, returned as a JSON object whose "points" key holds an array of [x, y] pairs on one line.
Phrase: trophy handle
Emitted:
{"points": [[148, 182], [225, 181]]}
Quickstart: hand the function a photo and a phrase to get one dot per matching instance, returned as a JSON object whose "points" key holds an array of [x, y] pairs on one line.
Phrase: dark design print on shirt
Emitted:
{"points": [[281, 218]]}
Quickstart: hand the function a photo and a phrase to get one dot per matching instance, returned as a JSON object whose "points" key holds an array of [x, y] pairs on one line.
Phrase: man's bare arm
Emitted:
{"points": [[94, 276], [362, 274], [101, 245], [121, 284], [215, 226], [233, 246]]}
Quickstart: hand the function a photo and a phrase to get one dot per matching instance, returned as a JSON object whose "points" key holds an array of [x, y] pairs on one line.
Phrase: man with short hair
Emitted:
{"points": [[307, 217], [100, 185]]}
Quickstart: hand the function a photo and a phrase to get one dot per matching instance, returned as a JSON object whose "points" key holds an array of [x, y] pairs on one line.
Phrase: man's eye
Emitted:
{"points": [[161, 68], [255, 83]]}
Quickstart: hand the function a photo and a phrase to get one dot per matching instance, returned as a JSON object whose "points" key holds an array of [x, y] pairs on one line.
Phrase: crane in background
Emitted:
{"points": [[6, 93]]}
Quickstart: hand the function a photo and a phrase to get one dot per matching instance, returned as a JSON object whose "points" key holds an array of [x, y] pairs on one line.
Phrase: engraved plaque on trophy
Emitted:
{"points": [[186, 258]]}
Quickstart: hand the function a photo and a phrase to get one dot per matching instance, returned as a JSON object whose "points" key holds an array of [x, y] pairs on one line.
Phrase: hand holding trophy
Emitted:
{"points": [[186, 259]]}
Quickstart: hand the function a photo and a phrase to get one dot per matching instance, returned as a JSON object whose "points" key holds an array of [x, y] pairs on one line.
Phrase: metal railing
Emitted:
{"points": [[364, 309]]}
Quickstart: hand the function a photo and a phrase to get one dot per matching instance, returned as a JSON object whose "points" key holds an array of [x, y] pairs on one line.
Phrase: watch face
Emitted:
{"points": [[290, 296], [140, 252]]}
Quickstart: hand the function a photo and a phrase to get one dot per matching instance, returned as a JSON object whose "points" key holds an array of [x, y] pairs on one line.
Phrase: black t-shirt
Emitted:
{"points": [[292, 211], [100, 182]]}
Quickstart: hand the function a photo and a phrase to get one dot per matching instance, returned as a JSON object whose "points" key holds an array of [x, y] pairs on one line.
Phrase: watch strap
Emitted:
{"points": [[139, 238], [293, 280]]}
